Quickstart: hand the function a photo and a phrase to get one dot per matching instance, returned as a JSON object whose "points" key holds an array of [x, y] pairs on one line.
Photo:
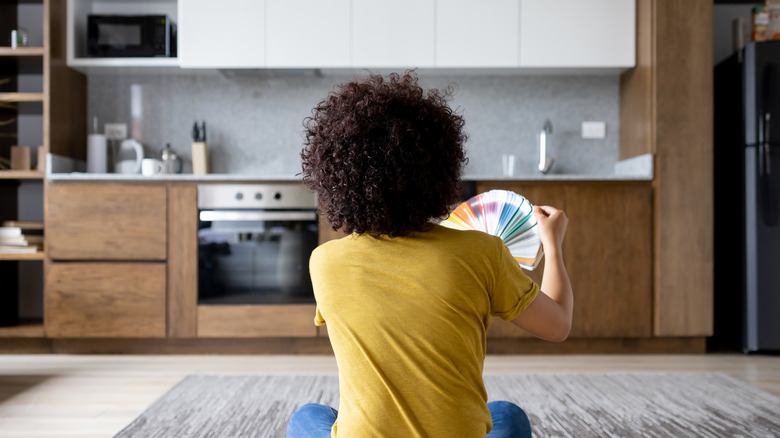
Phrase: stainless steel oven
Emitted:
{"points": [[254, 243]]}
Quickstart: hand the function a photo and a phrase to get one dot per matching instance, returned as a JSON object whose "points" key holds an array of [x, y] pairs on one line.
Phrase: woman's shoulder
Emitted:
{"points": [[464, 235]]}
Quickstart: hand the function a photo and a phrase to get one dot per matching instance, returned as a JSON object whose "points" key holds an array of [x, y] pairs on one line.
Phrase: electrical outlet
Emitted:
{"points": [[115, 131], [594, 130]]}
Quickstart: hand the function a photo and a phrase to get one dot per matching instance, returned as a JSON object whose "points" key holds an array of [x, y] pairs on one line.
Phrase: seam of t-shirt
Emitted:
{"points": [[522, 304]]}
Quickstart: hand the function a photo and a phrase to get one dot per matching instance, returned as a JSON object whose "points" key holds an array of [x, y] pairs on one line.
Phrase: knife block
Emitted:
{"points": [[200, 158]]}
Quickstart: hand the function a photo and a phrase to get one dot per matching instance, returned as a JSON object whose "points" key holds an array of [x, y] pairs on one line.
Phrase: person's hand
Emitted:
{"points": [[552, 226]]}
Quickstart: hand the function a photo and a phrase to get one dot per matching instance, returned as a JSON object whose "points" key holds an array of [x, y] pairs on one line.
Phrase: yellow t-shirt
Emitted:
{"points": [[407, 318]]}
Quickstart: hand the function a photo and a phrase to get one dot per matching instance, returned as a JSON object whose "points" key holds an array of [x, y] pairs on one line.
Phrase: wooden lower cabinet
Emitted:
{"points": [[256, 321], [105, 300], [106, 222], [608, 254], [607, 251]]}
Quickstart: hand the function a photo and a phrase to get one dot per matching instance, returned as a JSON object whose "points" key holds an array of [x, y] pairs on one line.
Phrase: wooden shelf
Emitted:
{"points": [[25, 329], [20, 257], [20, 174], [21, 97], [21, 51]]}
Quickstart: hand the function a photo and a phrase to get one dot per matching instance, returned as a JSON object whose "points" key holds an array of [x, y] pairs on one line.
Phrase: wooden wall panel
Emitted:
{"points": [[666, 109], [683, 184], [106, 222], [182, 261], [105, 300], [65, 90], [637, 100]]}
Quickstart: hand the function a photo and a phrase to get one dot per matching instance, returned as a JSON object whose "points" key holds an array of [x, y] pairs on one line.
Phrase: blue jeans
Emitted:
{"points": [[315, 421]]}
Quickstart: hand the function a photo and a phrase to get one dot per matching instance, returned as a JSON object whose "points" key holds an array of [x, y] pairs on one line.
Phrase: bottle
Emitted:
{"points": [[773, 18], [759, 24], [97, 150]]}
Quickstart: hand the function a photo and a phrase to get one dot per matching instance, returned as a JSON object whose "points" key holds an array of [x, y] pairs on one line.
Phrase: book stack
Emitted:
{"points": [[21, 237]]}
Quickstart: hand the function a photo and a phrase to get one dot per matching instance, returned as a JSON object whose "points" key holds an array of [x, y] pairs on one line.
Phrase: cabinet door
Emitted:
{"points": [[98, 222], [224, 34], [307, 33], [397, 33], [247, 321], [607, 251], [105, 300], [609, 258], [477, 34], [576, 33]]}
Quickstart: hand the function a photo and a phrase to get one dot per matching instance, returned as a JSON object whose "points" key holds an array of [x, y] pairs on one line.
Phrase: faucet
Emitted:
{"points": [[544, 163]]}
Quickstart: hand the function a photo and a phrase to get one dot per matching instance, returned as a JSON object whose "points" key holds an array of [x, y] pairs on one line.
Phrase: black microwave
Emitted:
{"points": [[110, 36]]}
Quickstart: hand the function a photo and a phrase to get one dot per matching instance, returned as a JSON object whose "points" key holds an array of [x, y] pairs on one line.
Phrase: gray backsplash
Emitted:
{"points": [[254, 119]]}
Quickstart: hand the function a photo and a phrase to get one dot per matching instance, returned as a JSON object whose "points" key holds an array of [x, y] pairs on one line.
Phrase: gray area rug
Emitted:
{"points": [[558, 405]]}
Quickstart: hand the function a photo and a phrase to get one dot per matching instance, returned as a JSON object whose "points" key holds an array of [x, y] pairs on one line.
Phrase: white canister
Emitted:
{"points": [[97, 153]]}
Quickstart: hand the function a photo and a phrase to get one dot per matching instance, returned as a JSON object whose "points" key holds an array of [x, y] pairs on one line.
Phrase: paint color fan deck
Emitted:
{"points": [[504, 214]]}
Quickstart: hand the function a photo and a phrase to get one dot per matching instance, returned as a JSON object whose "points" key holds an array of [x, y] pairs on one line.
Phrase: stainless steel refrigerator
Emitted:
{"points": [[747, 199]]}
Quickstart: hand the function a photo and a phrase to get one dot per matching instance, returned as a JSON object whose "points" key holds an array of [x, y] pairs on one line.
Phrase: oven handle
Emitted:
{"points": [[242, 215]]}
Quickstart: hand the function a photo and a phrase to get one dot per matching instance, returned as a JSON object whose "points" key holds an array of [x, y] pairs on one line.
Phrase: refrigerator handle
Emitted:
{"points": [[767, 198], [768, 202]]}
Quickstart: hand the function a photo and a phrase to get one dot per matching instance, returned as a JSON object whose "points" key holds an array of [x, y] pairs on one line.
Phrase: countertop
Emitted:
{"points": [[638, 168], [222, 177]]}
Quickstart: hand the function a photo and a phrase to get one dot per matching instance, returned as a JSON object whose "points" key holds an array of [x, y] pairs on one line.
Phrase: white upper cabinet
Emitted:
{"points": [[477, 33], [559, 35], [224, 34], [306, 33], [393, 33], [577, 33]]}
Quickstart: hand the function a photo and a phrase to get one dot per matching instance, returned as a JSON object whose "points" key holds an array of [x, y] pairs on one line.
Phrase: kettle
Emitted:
{"points": [[171, 162], [129, 157]]}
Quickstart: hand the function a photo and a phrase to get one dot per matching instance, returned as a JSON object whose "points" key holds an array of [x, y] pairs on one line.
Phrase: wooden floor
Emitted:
{"points": [[95, 396]]}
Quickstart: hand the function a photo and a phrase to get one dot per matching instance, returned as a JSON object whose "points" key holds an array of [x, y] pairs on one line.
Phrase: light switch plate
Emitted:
{"points": [[115, 131], [594, 130]]}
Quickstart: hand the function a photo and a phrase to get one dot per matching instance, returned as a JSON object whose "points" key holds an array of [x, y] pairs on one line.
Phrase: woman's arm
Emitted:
{"points": [[549, 315]]}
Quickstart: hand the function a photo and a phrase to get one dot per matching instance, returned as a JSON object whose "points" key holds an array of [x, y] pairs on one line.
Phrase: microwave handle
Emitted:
{"points": [[254, 215]]}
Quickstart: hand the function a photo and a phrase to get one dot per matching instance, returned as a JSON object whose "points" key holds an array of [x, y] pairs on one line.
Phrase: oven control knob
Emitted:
{"points": [[277, 196], [258, 196], [239, 196]]}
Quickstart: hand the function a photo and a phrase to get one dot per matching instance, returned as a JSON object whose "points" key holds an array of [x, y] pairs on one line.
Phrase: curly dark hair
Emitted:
{"points": [[384, 156]]}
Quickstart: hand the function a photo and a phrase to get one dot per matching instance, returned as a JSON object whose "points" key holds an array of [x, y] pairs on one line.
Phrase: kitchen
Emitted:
{"points": [[651, 154]]}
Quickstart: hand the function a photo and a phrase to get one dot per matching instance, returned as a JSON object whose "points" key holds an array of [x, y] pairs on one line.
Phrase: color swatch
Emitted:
{"points": [[504, 214]]}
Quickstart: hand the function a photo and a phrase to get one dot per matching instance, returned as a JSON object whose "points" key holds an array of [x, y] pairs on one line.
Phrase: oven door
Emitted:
{"points": [[255, 256]]}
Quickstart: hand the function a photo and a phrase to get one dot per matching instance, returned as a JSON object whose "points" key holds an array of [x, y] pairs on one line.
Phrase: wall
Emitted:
{"points": [[722, 33], [254, 118]]}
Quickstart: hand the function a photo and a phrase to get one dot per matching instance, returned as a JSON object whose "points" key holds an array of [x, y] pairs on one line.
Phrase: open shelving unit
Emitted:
{"points": [[42, 103], [21, 97]]}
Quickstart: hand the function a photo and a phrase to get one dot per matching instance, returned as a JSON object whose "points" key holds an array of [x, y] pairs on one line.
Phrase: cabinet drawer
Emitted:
{"points": [[247, 321], [105, 300], [117, 222]]}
